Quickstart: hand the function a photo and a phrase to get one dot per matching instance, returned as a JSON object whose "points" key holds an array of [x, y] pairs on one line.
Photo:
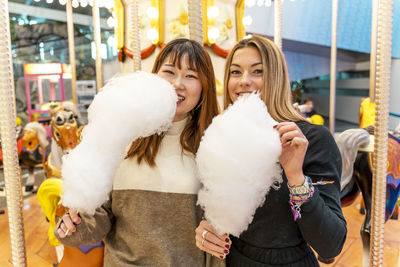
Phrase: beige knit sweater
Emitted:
{"points": [[151, 217]]}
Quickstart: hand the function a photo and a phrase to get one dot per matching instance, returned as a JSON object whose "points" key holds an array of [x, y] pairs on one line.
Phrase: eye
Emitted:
{"points": [[168, 72], [191, 76], [59, 120], [258, 71], [71, 118], [235, 72]]}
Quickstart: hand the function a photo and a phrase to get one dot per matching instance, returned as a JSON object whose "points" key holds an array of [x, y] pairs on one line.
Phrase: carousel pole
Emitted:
{"points": [[97, 40], [382, 85], [278, 23], [12, 173], [134, 33], [332, 97], [71, 47], [372, 68], [195, 21]]}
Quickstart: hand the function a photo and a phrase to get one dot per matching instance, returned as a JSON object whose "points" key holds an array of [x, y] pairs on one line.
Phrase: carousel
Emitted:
{"points": [[370, 153]]}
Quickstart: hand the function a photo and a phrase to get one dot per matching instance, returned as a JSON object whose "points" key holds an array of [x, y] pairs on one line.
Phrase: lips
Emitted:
{"points": [[181, 98], [243, 93]]}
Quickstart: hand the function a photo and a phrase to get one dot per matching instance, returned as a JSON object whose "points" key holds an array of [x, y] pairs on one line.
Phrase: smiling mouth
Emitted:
{"points": [[243, 93], [180, 99]]}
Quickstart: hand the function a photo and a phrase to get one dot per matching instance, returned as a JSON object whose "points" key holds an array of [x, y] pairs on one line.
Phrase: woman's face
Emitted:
{"points": [[186, 83], [245, 72]]}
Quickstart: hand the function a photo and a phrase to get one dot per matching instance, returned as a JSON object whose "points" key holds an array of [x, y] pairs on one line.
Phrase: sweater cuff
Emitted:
{"points": [[309, 205]]}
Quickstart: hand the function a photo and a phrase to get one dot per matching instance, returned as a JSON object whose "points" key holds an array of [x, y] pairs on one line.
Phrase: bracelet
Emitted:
{"points": [[302, 193]]}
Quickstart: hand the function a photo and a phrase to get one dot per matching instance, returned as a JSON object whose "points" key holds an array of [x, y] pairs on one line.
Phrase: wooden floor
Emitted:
{"points": [[41, 254]]}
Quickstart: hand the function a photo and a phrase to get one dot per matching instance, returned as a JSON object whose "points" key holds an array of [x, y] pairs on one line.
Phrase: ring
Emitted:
{"points": [[202, 242], [204, 234]]}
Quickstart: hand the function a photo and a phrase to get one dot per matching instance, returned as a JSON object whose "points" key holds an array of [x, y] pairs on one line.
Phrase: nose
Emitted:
{"points": [[245, 80], [177, 83]]}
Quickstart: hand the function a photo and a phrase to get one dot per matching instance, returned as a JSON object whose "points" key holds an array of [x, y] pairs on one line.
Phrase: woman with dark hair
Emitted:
{"points": [[305, 211], [151, 215]]}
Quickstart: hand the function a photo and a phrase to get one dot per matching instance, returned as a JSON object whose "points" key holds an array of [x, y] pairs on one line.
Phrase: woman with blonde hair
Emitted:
{"points": [[151, 215], [305, 211]]}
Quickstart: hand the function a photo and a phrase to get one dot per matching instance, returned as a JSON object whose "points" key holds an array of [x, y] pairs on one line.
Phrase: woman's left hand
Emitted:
{"points": [[294, 148]]}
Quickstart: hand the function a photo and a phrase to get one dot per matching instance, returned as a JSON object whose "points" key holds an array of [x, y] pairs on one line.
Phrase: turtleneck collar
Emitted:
{"points": [[177, 127]]}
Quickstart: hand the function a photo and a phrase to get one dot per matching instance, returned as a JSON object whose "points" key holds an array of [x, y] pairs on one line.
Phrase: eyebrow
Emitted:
{"points": [[252, 65], [172, 65]]}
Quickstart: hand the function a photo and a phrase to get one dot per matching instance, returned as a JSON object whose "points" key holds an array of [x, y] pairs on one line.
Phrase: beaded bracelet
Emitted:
{"points": [[296, 200]]}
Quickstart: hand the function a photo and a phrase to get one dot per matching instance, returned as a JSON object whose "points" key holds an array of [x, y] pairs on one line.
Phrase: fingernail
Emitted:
{"points": [[227, 246], [226, 239], [226, 251], [275, 126], [222, 257]]}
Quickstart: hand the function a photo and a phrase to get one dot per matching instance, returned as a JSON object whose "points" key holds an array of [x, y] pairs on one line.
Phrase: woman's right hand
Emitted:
{"points": [[209, 241], [69, 222]]}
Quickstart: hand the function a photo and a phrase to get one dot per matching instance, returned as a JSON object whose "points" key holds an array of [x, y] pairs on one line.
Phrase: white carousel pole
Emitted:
{"points": [[134, 33], [332, 98], [372, 69], [278, 23], [195, 21], [97, 40], [71, 49], [382, 85], [12, 172]]}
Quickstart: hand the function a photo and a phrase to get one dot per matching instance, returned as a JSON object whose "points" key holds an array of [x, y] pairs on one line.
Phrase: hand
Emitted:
{"points": [[69, 222], [294, 148], [209, 241]]}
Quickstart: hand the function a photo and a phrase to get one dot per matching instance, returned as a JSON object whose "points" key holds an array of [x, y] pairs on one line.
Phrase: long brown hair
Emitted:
{"points": [[276, 93], [201, 116]]}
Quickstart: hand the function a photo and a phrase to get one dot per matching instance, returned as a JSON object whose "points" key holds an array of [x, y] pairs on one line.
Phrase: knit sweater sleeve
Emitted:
{"points": [[92, 229], [322, 223]]}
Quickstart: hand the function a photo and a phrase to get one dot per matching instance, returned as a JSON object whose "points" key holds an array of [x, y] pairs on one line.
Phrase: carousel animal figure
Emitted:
{"points": [[66, 126], [356, 147], [34, 151], [49, 196]]}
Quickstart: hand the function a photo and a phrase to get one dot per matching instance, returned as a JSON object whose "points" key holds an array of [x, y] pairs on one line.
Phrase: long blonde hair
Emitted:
{"points": [[201, 115], [276, 92]]}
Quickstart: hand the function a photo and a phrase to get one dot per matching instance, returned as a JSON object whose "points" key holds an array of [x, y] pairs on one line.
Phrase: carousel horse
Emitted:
{"points": [[66, 129], [356, 147], [34, 151], [49, 196]]}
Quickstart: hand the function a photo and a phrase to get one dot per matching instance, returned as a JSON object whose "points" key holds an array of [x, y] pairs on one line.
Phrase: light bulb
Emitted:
{"points": [[111, 22], [213, 34], [260, 2], [152, 34], [49, 1], [62, 2], [247, 21], [152, 12], [268, 3], [250, 3], [75, 3], [212, 12], [84, 3]]}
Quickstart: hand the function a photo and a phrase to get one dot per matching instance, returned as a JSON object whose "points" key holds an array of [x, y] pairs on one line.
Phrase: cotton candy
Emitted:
{"points": [[128, 107], [237, 163]]}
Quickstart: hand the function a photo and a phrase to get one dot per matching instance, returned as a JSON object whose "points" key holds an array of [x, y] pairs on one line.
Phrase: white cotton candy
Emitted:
{"points": [[129, 106], [237, 164]]}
